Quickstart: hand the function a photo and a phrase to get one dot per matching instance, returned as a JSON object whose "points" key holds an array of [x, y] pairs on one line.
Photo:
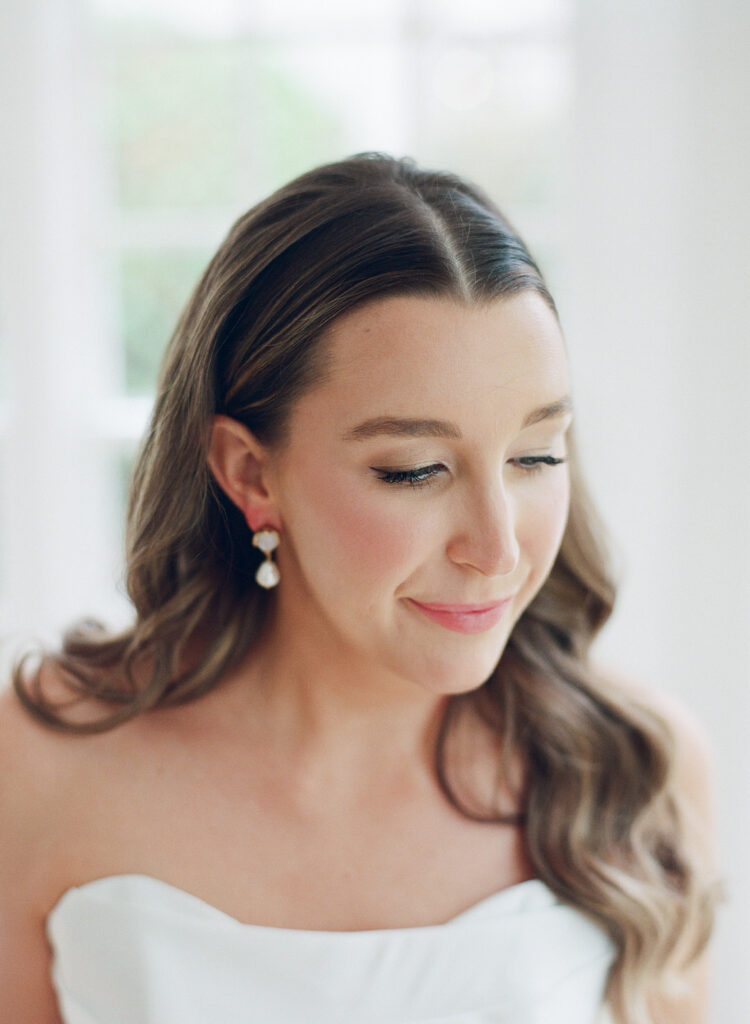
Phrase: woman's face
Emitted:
{"points": [[377, 514]]}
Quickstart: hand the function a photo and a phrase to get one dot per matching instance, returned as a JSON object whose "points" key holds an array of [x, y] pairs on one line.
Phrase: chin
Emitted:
{"points": [[463, 679], [457, 689]]}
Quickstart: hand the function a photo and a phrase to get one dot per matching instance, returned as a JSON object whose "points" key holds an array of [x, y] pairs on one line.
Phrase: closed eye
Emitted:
{"points": [[533, 463], [424, 475], [413, 477]]}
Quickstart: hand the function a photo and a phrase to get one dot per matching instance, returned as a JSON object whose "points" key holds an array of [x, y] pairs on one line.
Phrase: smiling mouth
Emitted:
{"points": [[477, 619], [464, 609]]}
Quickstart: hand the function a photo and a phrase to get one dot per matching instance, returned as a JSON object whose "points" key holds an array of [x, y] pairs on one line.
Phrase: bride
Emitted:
{"points": [[353, 761]]}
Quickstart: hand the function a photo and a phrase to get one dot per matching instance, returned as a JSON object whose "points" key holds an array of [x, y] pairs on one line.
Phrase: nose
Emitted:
{"points": [[487, 538]]}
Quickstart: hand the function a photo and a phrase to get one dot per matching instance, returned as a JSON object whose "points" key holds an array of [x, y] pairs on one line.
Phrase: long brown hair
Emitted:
{"points": [[603, 826]]}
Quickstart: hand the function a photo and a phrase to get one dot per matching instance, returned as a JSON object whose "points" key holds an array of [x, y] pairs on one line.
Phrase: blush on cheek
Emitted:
{"points": [[368, 537], [553, 518]]}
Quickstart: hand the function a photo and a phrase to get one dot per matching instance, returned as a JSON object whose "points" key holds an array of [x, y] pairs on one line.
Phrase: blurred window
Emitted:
{"points": [[202, 109]]}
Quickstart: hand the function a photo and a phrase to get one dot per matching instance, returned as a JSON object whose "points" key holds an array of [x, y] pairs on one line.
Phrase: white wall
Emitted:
{"points": [[656, 306]]}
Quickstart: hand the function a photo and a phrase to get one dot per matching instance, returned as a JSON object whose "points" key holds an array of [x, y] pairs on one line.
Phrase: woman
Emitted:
{"points": [[353, 761]]}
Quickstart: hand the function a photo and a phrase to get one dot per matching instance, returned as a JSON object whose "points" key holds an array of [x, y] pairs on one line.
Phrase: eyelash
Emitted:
{"points": [[424, 476]]}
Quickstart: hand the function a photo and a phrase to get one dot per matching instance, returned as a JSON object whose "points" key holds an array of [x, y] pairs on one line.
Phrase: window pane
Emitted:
{"points": [[155, 285], [176, 107], [498, 114], [313, 119], [206, 123], [285, 126]]}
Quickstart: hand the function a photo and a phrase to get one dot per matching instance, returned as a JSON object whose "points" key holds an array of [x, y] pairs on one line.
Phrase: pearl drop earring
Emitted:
{"points": [[267, 540]]}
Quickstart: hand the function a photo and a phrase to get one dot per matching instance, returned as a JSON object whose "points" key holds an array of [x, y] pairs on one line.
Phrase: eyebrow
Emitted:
{"points": [[398, 427]]}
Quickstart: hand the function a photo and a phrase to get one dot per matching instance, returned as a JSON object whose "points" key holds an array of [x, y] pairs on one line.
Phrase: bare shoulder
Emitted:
{"points": [[35, 758], [36, 779], [55, 792], [48, 773], [30, 759], [41, 771]]}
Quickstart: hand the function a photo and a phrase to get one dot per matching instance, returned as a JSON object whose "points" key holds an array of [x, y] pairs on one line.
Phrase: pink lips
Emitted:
{"points": [[465, 618]]}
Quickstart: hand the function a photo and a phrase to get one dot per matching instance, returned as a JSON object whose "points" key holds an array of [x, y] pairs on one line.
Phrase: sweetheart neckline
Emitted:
{"points": [[175, 892]]}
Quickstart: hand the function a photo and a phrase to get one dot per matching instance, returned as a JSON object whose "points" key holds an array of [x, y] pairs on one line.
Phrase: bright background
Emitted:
{"points": [[616, 137]]}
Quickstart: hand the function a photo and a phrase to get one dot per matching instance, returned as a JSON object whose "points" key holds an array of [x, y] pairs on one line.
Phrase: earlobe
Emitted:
{"points": [[236, 461]]}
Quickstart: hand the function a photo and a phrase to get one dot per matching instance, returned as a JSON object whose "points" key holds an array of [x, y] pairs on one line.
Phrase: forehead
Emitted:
{"points": [[407, 348], [482, 368]]}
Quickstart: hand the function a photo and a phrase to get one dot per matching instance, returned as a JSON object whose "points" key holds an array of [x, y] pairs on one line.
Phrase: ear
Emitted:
{"points": [[240, 465]]}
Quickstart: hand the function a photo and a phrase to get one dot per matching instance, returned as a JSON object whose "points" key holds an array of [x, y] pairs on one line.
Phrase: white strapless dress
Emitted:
{"points": [[129, 949]]}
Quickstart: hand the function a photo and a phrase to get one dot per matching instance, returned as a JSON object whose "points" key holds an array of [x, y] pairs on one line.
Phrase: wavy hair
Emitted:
{"points": [[603, 823]]}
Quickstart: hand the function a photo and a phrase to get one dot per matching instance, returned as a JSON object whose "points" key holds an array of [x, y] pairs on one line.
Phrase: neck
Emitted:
{"points": [[328, 714]]}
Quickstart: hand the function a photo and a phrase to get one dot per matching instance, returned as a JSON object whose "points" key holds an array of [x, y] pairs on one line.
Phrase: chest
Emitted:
{"points": [[384, 859]]}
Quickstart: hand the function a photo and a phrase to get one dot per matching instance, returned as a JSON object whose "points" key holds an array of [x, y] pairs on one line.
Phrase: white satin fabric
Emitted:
{"points": [[129, 949]]}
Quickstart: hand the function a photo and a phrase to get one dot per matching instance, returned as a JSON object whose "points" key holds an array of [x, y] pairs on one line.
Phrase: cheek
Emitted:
{"points": [[362, 532], [543, 524]]}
